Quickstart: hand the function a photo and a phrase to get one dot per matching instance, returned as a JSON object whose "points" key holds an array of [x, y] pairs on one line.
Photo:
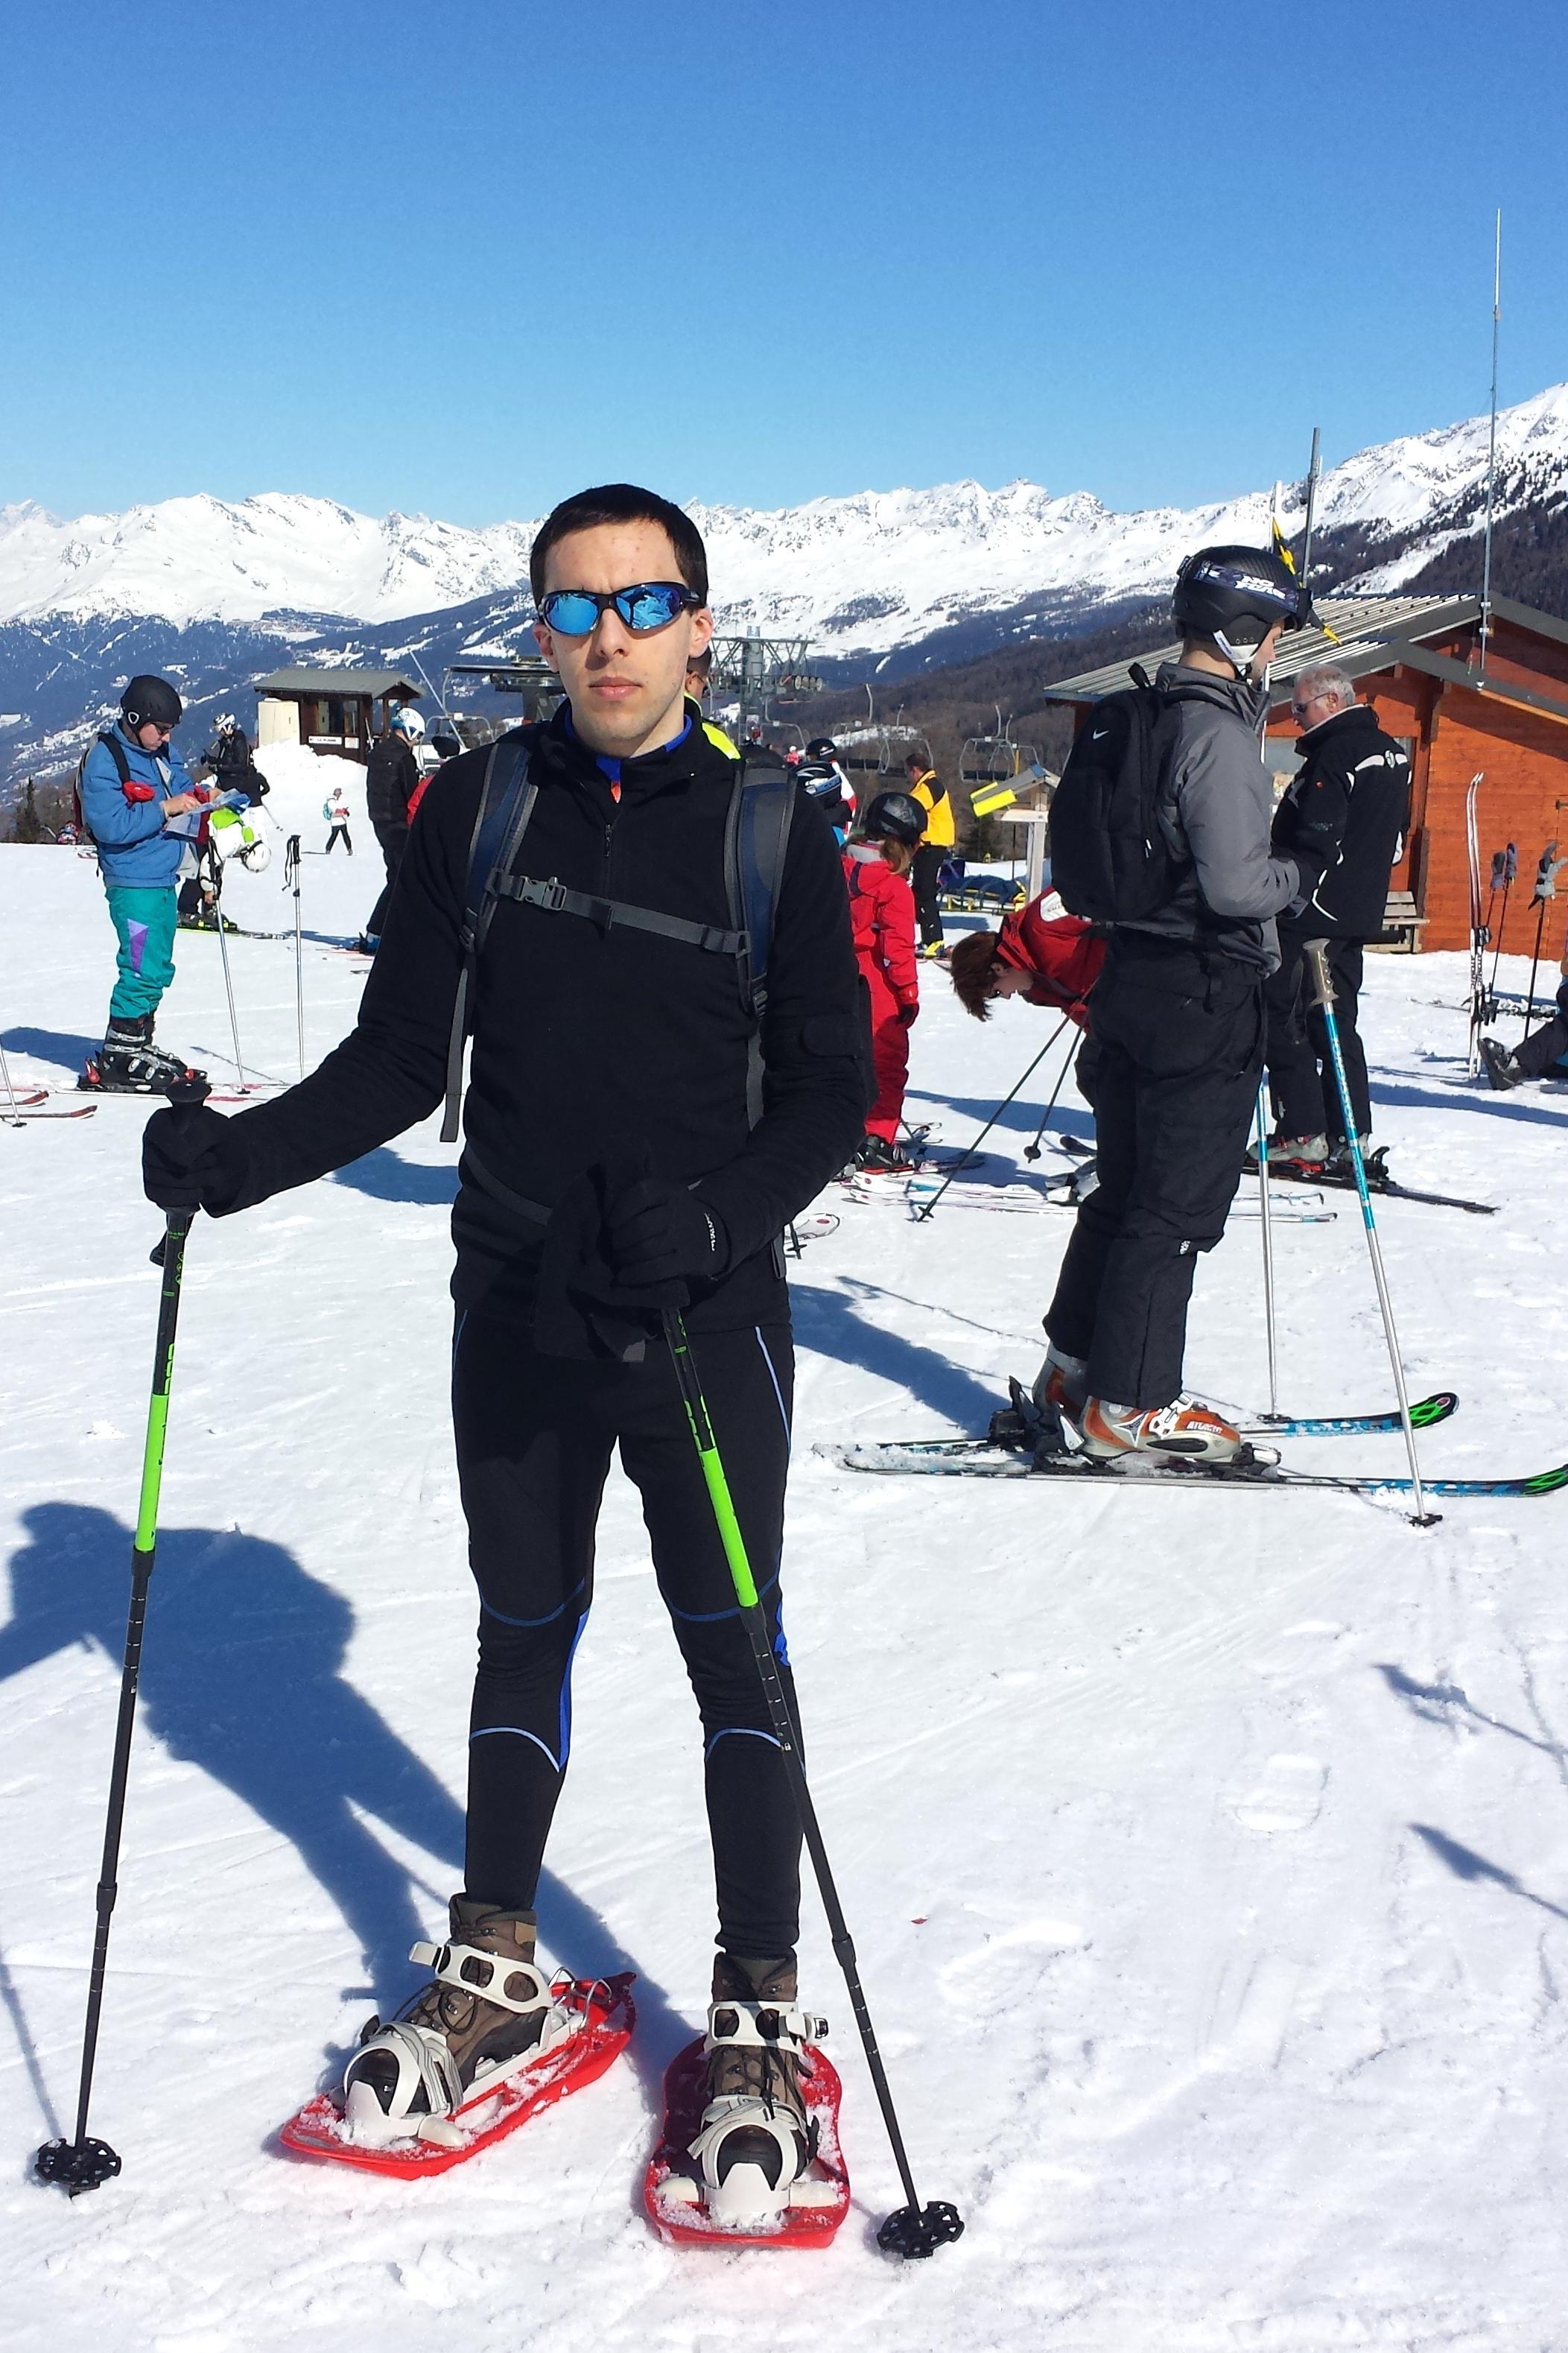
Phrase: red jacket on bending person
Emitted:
{"points": [[882, 919], [1055, 956]]}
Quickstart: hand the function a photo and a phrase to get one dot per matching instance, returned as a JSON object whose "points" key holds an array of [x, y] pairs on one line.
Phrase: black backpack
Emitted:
{"points": [[756, 836], [117, 752], [1109, 859]]}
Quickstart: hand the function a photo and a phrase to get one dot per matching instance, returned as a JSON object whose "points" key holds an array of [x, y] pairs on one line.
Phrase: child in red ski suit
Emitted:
{"points": [[882, 915]]}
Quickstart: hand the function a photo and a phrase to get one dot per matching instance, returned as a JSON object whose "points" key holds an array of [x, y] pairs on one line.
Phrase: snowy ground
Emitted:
{"points": [[1207, 1854]]}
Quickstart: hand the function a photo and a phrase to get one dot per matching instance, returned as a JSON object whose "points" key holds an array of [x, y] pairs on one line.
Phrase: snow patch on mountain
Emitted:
{"points": [[858, 574]]}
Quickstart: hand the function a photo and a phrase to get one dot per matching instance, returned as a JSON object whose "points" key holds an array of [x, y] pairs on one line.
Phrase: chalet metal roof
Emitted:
{"points": [[1364, 629], [338, 682]]}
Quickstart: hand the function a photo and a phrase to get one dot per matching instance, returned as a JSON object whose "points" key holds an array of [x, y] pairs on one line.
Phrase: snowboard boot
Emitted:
{"points": [[1184, 1430], [488, 2014], [755, 2143], [1061, 1385], [128, 1062], [1503, 1071]]}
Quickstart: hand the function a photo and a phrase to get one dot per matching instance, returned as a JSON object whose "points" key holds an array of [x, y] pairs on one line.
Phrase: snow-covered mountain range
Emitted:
{"points": [[864, 572], [886, 583]]}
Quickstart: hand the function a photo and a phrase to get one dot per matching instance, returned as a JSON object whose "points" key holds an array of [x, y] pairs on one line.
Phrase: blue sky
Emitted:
{"points": [[463, 258]]}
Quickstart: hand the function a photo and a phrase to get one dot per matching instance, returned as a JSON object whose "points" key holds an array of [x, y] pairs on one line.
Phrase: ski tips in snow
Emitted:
{"points": [[76, 2164], [322, 2129], [814, 2206]]}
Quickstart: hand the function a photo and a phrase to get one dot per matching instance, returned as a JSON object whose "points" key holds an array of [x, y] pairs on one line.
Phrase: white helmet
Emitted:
{"points": [[224, 722], [411, 724], [257, 857]]}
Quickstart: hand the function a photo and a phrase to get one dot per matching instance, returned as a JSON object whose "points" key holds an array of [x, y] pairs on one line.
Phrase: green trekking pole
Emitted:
{"points": [[83, 2163], [914, 2230]]}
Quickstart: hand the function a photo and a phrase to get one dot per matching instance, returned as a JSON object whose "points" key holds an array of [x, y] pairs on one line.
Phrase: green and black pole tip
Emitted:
{"points": [[83, 2162], [914, 2230], [1323, 996]]}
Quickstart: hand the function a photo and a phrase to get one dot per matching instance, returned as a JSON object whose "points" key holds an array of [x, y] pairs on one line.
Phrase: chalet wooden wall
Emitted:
{"points": [[1524, 798]]}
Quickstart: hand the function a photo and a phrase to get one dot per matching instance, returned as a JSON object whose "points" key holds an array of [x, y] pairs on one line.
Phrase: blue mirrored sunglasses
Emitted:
{"points": [[650, 604]]}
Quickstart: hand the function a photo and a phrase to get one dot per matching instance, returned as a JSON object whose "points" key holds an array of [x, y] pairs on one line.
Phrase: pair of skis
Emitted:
{"points": [[671, 2193], [1023, 1442]]}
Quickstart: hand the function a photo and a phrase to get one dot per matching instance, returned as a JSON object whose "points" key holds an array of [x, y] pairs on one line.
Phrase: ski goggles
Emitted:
{"points": [[650, 604]]}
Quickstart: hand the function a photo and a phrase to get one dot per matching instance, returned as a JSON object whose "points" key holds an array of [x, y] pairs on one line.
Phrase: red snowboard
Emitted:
{"points": [[319, 2129], [685, 2225]]}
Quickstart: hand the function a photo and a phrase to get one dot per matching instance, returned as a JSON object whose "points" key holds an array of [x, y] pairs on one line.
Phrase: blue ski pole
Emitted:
{"points": [[1323, 986]]}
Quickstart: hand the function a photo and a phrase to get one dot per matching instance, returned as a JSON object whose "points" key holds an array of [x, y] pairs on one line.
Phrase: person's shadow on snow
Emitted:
{"points": [[242, 1676]]}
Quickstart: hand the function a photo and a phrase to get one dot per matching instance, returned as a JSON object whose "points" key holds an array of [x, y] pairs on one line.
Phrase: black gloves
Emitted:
{"points": [[190, 1160], [658, 1234]]}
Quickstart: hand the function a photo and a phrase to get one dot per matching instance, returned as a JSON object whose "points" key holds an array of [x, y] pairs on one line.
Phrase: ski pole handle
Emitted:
{"points": [[1317, 954], [186, 1097]]}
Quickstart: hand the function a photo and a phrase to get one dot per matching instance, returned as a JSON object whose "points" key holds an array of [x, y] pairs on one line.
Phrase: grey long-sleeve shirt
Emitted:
{"points": [[1215, 807]]}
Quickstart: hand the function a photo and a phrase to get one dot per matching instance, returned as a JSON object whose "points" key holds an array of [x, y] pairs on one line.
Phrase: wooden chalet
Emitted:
{"points": [[339, 711], [1416, 661]]}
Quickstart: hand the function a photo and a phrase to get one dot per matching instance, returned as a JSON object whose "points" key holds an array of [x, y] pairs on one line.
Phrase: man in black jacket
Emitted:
{"points": [[1347, 809], [392, 777], [589, 1036]]}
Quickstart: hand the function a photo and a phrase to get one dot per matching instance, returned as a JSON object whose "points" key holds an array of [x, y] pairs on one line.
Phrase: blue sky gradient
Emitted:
{"points": [[462, 259]]}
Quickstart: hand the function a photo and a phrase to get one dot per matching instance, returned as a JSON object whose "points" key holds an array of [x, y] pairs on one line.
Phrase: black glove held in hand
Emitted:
{"points": [[657, 1233], [188, 1160]]}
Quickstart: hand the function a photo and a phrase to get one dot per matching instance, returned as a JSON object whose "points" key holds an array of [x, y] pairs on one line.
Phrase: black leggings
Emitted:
{"points": [[339, 833], [534, 1438]]}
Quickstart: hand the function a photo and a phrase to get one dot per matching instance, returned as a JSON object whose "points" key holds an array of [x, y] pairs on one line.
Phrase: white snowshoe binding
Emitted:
{"points": [[755, 2144], [486, 2015], [128, 1062]]}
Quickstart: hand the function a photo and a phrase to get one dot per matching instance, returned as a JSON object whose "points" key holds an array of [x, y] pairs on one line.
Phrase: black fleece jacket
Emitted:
{"points": [[585, 1041], [1347, 808]]}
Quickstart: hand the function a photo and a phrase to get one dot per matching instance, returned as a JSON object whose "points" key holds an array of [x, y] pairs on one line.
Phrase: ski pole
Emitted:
{"points": [[83, 2163], [966, 1157], [12, 1116], [1546, 875], [1317, 961], [1032, 1150], [914, 2230], [1265, 1213], [228, 977], [1509, 869], [292, 875]]}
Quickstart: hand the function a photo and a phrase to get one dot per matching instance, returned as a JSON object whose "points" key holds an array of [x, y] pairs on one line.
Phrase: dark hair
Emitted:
{"points": [[701, 663], [971, 965], [917, 764], [621, 503]]}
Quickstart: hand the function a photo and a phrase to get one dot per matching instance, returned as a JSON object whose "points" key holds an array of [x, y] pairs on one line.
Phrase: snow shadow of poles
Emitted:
{"points": [[242, 1676], [829, 1322], [1465, 1863]]}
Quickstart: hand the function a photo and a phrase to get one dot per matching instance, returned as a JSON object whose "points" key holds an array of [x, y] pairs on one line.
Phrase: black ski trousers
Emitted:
{"points": [[924, 875], [394, 842], [534, 1436], [1536, 1054], [1177, 1035], [1300, 1068]]}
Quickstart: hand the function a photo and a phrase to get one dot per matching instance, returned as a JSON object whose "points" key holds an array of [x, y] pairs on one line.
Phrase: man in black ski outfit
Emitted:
{"points": [[392, 777], [1176, 1021], [598, 1045], [1347, 808]]}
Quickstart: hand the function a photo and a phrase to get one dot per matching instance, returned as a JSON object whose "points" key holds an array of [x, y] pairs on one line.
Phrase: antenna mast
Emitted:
{"points": [[1313, 469], [1491, 456]]}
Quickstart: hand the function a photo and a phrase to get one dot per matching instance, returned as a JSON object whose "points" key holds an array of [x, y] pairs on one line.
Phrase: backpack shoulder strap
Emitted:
{"points": [[506, 803], [756, 840], [117, 752]]}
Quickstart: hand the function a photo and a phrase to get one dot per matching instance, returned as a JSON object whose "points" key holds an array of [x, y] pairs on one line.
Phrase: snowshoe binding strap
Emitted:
{"points": [[500, 1977], [755, 2144], [403, 2080]]}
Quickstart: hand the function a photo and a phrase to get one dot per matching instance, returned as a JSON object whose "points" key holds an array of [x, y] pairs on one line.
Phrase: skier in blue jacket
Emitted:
{"points": [[143, 812]]}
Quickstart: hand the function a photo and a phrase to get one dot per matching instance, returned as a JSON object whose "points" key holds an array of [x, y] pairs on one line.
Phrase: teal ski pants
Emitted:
{"points": [[144, 927]]}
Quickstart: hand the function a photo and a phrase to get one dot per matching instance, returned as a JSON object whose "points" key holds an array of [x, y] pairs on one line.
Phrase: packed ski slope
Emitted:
{"points": [[1207, 1852]]}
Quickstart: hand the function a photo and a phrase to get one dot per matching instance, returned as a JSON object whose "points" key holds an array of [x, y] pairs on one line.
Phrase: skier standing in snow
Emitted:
{"points": [[392, 778], [927, 787], [1177, 1016], [141, 808], [1346, 809], [232, 762], [609, 1149], [336, 812], [876, 861]]}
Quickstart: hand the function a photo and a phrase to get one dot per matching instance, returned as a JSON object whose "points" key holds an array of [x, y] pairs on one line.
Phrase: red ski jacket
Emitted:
{"points": [[882, 918], [1061, 953]]}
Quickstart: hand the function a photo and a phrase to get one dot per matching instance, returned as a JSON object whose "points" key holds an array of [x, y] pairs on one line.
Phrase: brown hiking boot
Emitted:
{"points": [[486, 2013], [755, 2142]]}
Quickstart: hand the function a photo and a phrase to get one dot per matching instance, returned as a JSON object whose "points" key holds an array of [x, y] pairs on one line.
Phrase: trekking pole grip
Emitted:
{"points": [[186, 1097]]}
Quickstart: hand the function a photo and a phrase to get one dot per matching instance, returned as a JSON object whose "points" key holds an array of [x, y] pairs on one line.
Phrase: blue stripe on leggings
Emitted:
{"points": [[738, 1732], [485, 1731]]}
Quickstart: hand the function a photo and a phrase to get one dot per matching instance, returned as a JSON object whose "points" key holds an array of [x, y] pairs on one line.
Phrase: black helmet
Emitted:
{"points": [[894, 817], [151, 702], [1237, 595], [822, 747]]}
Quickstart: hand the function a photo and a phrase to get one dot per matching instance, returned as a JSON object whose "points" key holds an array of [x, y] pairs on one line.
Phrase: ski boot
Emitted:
{"points": [[128, 1062], [486, 2015], [1340, 1162], [877, 1158], [1297, 1156], [1061, 1385], [1183, 1431], [754, 2145], [1502, 1069]]}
